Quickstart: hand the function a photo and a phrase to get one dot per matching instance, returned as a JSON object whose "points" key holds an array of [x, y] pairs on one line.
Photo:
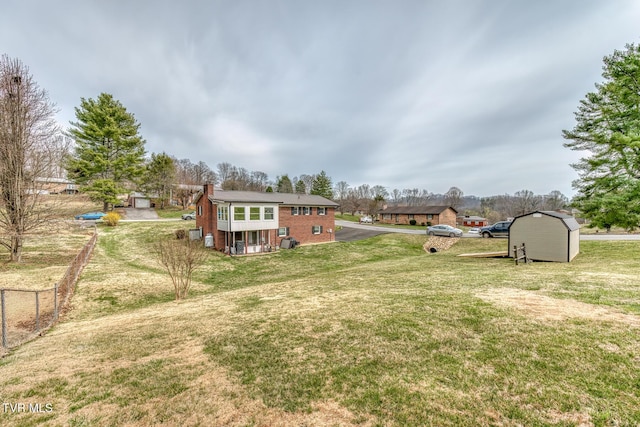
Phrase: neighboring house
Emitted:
{"points": [[472, 221], [547, 236], [139, 201], [55, 186], [244, 222], [423, 215]]}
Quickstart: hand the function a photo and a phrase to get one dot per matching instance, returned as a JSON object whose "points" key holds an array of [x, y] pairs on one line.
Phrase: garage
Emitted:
{"points": [[547, 236]]}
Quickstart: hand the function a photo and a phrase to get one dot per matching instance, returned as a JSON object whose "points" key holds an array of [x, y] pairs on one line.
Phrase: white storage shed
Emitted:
{"points": [[547, 236]]}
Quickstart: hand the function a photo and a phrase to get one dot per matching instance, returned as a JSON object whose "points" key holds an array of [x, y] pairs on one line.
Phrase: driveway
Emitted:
{"points": [[351, 234], [132, 214]]}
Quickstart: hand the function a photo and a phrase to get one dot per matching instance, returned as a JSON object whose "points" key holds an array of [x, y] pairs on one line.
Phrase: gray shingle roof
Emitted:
{"points": [[287, 199]]}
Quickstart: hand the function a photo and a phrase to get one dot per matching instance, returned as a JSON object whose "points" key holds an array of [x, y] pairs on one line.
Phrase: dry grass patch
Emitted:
{"points": [[545, 308]]}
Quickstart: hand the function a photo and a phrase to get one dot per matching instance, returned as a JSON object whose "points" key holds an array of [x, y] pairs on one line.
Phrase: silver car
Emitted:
{"points": [[444, 230]]}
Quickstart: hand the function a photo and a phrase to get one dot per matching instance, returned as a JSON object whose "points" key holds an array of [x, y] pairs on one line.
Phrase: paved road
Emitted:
{"points": [[381, 230]]}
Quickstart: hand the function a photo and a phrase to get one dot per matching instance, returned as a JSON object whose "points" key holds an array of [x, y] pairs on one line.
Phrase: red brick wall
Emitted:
{"points": [[300, 225], [208, 219]]}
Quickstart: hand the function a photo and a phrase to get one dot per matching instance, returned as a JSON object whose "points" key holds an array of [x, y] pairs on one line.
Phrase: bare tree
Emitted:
{"points": [[340, 192], [180, 258], [453, 197], [27, 136]]}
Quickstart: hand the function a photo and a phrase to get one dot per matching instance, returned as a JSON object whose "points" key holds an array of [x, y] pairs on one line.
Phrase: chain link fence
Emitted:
{"points": [[26, 314]]}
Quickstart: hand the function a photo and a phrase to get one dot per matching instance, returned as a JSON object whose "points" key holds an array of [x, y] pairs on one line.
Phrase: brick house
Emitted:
{"points": [[472, 221], [244, 222], [423, 215]]}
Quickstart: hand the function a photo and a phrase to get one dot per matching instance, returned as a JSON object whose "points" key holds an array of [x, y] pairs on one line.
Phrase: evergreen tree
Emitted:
{"points": [[300, 187], [608, 130], [284, 185], [109, 152], [159, 178], [322, 186]]}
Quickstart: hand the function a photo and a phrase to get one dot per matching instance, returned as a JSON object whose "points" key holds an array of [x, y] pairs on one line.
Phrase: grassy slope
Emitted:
{"points": [[375, 333]]}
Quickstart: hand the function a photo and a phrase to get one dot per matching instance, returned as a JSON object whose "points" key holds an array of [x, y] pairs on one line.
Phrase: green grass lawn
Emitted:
{"points": [[376, 332]]}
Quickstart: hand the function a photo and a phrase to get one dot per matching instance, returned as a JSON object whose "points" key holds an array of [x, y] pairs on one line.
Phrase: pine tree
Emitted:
{"points": [[109, 152], [608, 129], [322, 186], [160, 177]]}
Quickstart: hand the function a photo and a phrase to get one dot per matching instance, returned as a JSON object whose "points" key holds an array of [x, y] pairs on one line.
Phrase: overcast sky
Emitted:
{"points": [[400, 93]]}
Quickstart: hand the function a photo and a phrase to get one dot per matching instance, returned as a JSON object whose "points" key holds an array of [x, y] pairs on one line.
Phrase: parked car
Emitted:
{"points": [[366, 220], [190, 215], [499, 229], [474, 230], [90, 216], [444, 230]]}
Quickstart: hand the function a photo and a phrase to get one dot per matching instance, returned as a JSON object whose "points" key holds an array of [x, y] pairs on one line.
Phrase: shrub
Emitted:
{"points": [[429, 224], [181, 234], [413, 222], [111, 219]]}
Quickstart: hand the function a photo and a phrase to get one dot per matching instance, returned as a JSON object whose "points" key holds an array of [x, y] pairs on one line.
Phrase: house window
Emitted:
{"points": [[254, 213], [200, 210], [223, 213], [429, 216], [387, 216], [238, 213], [411, 216], [253, 237], [283, 231], [316, 229], [295, 210], [322, 211], [268, 213], [306, 210]]}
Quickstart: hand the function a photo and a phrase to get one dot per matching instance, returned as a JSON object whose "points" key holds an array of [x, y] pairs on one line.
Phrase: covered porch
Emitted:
{"points": [[249, 241]]}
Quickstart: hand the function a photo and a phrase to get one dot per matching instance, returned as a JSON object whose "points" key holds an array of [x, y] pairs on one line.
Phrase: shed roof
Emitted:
{"points": [[279, 198], [569, 221], [416, 210]]}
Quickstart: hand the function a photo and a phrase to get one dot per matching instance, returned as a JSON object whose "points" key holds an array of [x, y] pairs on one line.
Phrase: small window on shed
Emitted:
{"points": [[537, 215]]}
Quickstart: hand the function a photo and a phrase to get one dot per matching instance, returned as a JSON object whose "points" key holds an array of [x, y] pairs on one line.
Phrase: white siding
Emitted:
{"points": [[248, 224]]}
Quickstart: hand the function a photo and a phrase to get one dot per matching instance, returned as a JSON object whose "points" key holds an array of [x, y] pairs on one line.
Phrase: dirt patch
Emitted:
{"points": [[439, 244], [546, 308]]}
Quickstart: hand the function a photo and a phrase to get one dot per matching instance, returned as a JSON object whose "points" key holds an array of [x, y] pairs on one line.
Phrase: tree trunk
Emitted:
{"points": [[16, 248]]}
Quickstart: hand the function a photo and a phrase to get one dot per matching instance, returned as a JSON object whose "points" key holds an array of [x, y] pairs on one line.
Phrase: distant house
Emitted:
{"points": [[245, 222], [427, 215], [472, 221], [55, 186], [547, 236], [139, 201]]}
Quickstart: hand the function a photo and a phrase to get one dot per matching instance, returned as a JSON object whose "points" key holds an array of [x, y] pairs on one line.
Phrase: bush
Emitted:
{"points": [[413, 222], [181, 234], [111, 219]]}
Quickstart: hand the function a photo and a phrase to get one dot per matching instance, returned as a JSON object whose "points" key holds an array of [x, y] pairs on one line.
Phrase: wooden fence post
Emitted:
{"points": [[55, 302], [37, 311], [4, 320]]}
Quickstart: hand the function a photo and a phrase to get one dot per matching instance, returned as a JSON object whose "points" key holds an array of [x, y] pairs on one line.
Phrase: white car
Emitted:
{"points": [[366, 220], [474, 230]]}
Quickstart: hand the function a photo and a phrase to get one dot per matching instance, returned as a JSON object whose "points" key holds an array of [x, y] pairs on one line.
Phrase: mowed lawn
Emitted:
{"points": [[376, 332]]}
